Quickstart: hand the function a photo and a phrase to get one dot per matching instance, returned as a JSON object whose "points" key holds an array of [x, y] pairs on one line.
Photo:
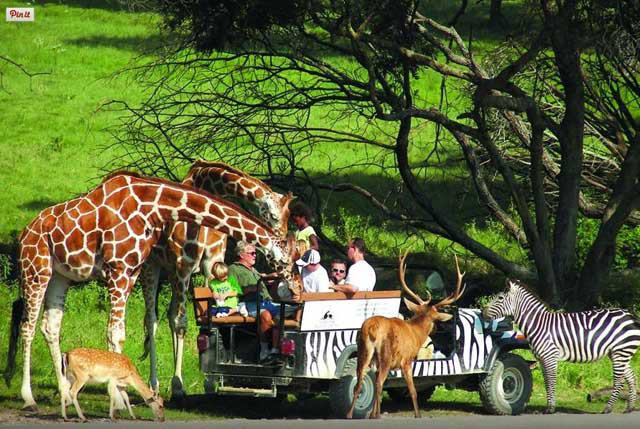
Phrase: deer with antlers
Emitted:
{"points": [[394, 343]]}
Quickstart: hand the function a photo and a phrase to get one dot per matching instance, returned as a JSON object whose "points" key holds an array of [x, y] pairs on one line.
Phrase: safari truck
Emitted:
{"points": [[318, 354]]}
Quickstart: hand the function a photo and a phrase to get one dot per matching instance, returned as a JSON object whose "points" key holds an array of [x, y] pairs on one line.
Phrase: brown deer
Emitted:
{"points": [[394, 343], [81, 366]]}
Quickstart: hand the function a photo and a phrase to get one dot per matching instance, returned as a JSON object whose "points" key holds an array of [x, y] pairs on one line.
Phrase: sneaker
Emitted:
{"points": [[222, 315], [243, 311]]}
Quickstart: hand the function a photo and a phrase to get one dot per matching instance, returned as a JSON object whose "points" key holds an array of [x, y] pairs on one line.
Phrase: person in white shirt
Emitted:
{"points": [[361, 276], [314, 276]]}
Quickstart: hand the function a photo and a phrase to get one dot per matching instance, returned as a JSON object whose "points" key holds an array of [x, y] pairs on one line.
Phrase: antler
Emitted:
{"points": [[457, 293], [402, 269]]}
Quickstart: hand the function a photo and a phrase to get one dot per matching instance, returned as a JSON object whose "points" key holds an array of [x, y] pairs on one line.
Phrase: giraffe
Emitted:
{"points": [[109, 232], [185, 249]]}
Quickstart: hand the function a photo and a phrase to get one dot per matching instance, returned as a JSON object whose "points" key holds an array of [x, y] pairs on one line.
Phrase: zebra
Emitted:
{"points": [[584, 336]]}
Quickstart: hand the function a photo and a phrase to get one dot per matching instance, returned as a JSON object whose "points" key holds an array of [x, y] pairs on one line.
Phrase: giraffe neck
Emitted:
{"points": [[224, 180], [163, 201]]}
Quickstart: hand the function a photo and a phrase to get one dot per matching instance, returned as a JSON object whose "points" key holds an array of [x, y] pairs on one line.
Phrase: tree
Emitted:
{"points": [[529, 123]]}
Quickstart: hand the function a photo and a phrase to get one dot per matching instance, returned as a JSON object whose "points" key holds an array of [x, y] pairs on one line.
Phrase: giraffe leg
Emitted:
{"points": [[150, 278], [179, 327], [620, 363], [33, 302], [120, 286], [549, 372], [51, 326]]}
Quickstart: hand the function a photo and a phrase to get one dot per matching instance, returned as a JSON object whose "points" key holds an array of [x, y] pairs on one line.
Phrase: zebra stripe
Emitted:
{"points": [[324, 348], [575, 337]]}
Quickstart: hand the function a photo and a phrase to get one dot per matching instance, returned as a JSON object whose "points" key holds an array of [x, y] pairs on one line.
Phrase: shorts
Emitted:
{"points": [[214, 311], [271, 307]]}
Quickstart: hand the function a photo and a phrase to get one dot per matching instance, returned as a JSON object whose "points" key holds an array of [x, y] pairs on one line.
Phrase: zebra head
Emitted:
{"points": [[503, 304]]}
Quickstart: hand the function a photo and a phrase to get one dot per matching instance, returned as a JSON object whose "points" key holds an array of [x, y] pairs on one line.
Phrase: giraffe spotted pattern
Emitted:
{"points": [[109, 233]]}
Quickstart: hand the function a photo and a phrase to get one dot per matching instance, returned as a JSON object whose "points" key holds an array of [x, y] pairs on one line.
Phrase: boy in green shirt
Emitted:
{"points": [[225, 290]]}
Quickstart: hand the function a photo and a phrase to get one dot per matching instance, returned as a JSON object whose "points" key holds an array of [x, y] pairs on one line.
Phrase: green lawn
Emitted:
{"points": [[53, 144], [53, 140], [85, 325]]}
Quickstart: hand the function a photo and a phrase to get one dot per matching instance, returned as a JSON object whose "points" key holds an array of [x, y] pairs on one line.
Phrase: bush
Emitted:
{"points": [[6, 267], [627, 243]]}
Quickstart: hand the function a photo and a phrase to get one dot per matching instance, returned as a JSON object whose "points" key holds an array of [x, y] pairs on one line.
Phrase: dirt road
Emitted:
{"points": [[557, 421]]}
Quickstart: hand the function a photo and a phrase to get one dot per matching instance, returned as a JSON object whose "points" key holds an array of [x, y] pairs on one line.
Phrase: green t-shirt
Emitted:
{"points": [[229, 285], [248, 277]]}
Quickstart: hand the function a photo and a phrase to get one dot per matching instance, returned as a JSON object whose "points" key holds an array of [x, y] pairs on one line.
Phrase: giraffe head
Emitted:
{"points": [[274, 208], [280, 253]]}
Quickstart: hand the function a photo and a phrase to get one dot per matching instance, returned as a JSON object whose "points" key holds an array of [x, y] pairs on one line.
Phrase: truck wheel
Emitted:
{"points": [[401, 394], [506, 388], [341, 392]]}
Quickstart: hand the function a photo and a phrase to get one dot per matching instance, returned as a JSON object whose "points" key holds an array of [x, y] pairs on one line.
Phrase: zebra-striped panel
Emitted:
{"points": [[324, 348]]}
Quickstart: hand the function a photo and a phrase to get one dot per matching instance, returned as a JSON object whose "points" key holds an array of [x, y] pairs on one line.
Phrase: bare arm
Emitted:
{"points": [[270, 276], [313, 242], [346, 288]]}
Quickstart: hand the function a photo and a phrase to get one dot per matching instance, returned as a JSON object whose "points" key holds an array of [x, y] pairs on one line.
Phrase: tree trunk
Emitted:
{"points": [[601, 256], [567, 57], [600, 259], [495, 13]]}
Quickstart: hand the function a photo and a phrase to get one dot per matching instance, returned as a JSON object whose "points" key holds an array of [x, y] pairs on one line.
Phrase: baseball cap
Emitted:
{"points": [[310, 257]]}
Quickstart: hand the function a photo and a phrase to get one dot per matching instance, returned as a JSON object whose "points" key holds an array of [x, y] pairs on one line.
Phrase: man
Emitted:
{"points": [[338, 271], [250, 280], [361, 276], [314, 276]]}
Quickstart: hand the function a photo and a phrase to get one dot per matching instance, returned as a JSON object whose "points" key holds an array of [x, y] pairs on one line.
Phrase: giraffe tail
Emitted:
{"points": [[16, 317]]}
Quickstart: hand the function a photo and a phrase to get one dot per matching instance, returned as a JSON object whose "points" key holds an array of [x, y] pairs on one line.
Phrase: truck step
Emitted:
{"points": [[247, 391]]}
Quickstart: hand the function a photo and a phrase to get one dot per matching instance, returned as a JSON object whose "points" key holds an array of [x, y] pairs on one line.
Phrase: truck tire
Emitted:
{"points": [[506, 388], [341, 392], [401, 394]]}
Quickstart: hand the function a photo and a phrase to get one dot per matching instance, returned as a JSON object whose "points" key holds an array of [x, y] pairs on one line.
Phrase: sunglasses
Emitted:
{"points": [[337, 270], [251, 253]]}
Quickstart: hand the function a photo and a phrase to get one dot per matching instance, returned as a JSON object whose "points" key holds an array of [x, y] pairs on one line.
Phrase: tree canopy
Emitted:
{"points": [[543, 125]]}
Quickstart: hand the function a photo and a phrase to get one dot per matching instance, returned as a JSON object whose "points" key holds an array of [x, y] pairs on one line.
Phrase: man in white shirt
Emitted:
{"points": [[361, 276], [314, 276]]}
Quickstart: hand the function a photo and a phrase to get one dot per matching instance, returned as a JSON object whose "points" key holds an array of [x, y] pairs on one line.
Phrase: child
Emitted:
{"points": [[301, 216], [225, 290]]}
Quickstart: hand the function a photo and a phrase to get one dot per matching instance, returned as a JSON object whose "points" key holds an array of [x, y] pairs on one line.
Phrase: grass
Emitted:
{"points": [[87, 313], [53, 144], [53, 138]]}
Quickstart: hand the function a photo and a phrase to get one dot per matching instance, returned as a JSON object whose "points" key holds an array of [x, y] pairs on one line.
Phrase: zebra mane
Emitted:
{"points": [[528, 290]]}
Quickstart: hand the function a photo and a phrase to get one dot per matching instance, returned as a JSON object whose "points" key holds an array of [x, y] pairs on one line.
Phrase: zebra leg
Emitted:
{"points": [[549, 372], [630, 377], [620, 363]]}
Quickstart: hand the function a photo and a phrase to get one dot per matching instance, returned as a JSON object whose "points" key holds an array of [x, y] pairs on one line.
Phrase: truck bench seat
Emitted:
{"points": [[201, 296]]}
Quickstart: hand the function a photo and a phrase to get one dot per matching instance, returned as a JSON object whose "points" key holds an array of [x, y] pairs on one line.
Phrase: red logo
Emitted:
{"points": [[20, 14]]}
